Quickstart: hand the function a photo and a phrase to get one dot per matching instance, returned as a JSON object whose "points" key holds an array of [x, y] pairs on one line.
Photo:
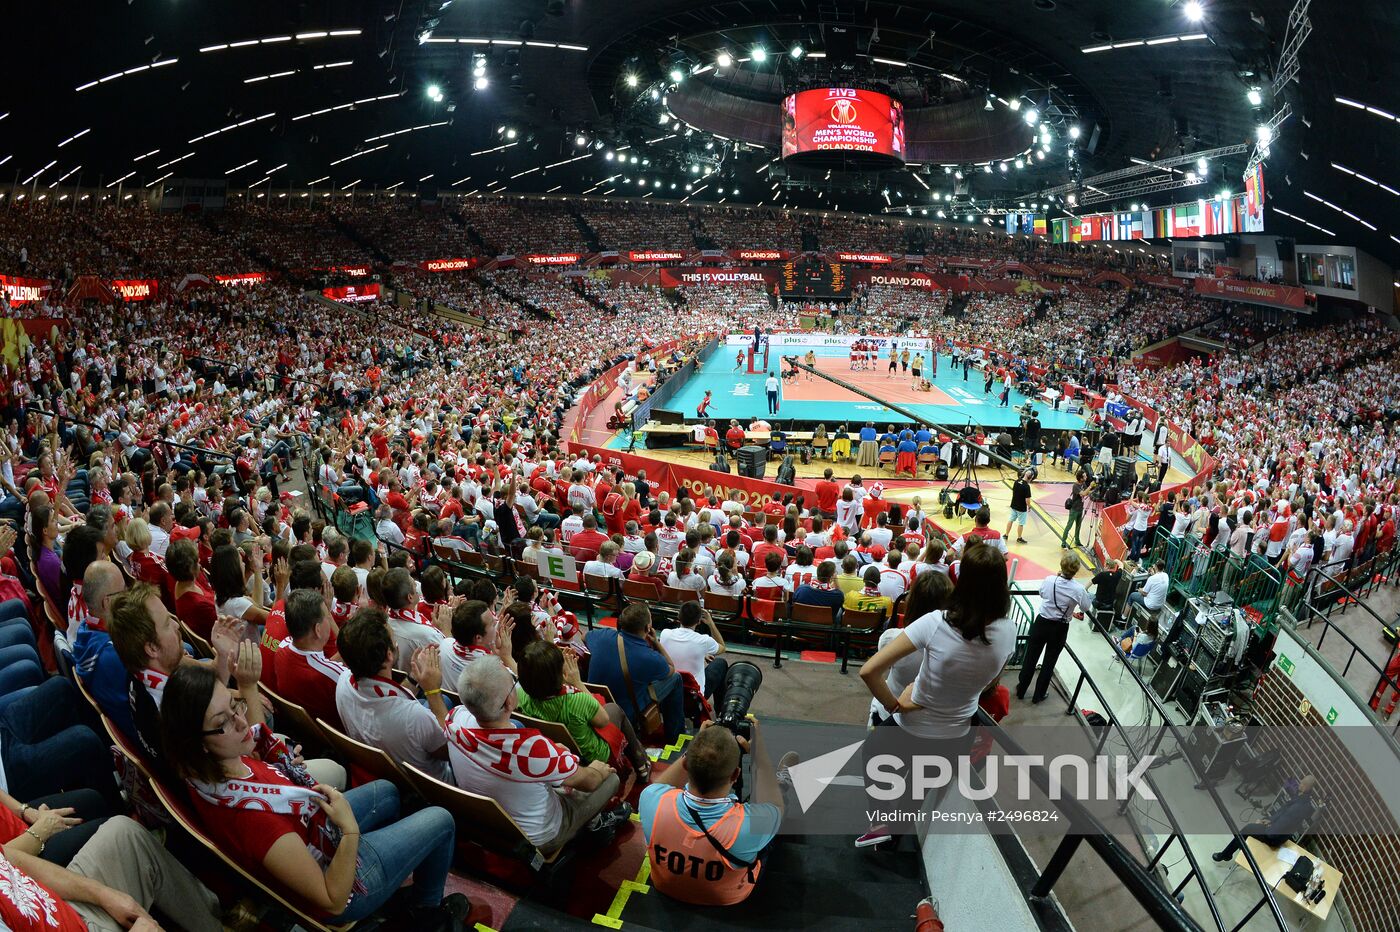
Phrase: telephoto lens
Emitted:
{"points": [[740, 685]]}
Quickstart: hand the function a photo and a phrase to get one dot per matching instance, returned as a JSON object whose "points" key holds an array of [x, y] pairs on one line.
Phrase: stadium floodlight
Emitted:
{"points": [[1074, 132], [759, 53], [796, 51], [1020, 163], [510, 134], [1002, 166], [434, 91], [677, 75], [1264, 133], [1032, 116], [1254, 97], [481, 83], [724, 59], [1015, 103], [608, 155], [1195, 11], [580, 140], [631, 79]]}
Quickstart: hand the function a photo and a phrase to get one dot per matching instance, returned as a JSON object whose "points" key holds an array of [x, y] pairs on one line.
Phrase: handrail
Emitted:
{"points": [[1114, 724], [1152, 896], [1167, 726]]}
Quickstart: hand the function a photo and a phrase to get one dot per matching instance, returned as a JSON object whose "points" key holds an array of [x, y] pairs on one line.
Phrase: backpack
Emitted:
{"points": [[1300, 873]]}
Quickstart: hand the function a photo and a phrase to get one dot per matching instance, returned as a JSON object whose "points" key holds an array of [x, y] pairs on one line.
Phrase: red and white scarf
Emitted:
{"points": [[408, 615], [377, 687], [154, 681], [295, 797]]}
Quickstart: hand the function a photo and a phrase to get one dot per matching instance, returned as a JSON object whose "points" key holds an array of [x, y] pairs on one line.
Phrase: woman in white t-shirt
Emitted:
{"points": [[929, 593], [962, 651], [724, 580]]}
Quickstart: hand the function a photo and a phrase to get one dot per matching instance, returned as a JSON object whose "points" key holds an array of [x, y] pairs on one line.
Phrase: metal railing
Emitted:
{"points": [[1306, 613], [1177, 835], [1022, 614], [1136, 878]]}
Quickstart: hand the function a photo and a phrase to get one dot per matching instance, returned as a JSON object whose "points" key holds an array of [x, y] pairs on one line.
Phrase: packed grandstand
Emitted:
{"points": [[337, 500]]}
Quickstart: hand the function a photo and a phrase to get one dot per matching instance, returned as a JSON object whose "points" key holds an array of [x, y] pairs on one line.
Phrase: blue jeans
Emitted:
{"points": [[1137, 543], [391, 848], [671, 697], [547, 520], [47, 745]]}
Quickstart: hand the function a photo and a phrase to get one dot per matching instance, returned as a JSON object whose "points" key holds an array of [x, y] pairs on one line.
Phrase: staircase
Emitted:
{"points": [[590, 235], [473, 237], [355, 236]]}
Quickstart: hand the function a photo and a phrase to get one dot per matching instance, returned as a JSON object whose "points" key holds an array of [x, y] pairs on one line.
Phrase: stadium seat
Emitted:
{"points": [[366, 763]]}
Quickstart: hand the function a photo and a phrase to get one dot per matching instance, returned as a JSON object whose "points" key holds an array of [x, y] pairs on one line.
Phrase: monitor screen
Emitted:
{"points": [[843, 120]]}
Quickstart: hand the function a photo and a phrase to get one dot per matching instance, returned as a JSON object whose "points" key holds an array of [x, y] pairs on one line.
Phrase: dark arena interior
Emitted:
{"points": [[370, 370]]}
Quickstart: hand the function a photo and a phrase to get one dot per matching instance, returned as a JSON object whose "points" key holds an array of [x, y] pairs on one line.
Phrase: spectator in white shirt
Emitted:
{"points": [[682, 575], [892, 578], [1152, 594], [162, 519], [606, 562], [386, 530], [694, 652], [724, 580], [380, 712]]}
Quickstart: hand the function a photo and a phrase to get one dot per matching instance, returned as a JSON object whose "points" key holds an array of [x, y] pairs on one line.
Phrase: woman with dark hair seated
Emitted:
{"points": [[552, 689], [341, 855], [194, 595]]}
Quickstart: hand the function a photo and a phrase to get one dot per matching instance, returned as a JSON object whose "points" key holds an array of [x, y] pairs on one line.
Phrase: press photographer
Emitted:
{"points": [[705, 846]]}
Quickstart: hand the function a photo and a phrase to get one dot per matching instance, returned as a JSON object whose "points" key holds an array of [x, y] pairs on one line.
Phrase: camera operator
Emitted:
{"points": [[705, 846]]}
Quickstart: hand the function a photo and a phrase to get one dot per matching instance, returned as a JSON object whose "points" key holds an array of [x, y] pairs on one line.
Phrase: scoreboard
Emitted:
{"points": [[810, 277]]}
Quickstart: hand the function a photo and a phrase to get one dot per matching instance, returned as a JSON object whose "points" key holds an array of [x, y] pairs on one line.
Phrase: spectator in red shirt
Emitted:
{"points": [[305, 673], [827, 494], [584, 545], [770, 543], [734, 436]]}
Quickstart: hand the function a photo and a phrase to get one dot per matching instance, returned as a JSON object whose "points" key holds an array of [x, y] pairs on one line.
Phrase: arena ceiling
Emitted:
{"points": [[337, 93]]}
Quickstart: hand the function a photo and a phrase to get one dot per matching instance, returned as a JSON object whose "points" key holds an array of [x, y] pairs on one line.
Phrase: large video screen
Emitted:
{"points": [[844, 120]]}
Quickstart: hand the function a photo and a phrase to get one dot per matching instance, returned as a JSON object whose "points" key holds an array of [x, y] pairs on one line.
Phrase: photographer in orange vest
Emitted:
{"points": [[705, 846]]}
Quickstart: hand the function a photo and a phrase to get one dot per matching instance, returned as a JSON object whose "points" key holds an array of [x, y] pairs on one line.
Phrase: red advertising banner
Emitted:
{"points": [[843, 119], [447, 265], [1289, 296], [354, 271], [921, 280], [760, 255], [670, 278], [1061, 271], [563, 258], [655, 255], [664, 477], [353, 294], [19, 290], [134, 289], [247, 278], [1162, 281], [869, 258]]}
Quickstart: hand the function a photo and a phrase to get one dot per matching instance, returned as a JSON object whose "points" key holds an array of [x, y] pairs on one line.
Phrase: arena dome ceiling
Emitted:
{"points": [[287, 94]]}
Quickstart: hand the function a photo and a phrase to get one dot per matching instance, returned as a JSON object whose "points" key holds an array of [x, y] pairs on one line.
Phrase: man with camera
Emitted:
{"points": [[705, 846]]}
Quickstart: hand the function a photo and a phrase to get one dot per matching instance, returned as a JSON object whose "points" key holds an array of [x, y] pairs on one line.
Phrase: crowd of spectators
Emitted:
{"points": [[520, 226], [628, 225], [155, 508], [405, 230], [290, 237]]}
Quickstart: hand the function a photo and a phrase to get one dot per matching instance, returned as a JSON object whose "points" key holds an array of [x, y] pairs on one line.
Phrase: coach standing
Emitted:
{"points": [[772, 386]]}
